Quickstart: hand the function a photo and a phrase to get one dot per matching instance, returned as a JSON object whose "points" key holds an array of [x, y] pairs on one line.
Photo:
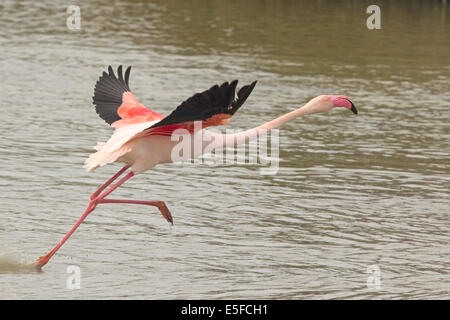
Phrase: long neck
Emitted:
{"points": [[241, 137], [278, 122]]}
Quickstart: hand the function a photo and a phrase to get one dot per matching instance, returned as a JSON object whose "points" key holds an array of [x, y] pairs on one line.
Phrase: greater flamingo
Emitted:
{"points": [[142, 137]]}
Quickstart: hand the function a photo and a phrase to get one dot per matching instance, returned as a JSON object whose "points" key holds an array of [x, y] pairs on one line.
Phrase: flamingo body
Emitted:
{"points": [[143, 138]]}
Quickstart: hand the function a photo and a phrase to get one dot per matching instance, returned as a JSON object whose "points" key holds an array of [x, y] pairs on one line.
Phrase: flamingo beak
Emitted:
{"points": [[353, 108]]}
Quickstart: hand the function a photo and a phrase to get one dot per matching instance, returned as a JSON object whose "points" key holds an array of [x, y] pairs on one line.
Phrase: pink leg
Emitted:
{"points": [[107, 183], [159, 204], [92, 205]]}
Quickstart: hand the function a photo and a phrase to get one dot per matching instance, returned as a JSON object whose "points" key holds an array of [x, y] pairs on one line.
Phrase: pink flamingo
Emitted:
{"points": [[142, 137]]}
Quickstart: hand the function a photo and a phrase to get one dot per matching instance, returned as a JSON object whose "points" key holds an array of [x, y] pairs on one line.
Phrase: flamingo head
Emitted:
{"points": [[343, 101], [324, 103]]}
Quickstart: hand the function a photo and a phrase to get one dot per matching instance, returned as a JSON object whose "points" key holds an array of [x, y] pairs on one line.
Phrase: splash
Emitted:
{"points": [[11, 264]]}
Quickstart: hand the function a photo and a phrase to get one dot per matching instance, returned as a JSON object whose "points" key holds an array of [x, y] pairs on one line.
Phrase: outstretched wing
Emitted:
{"points": [[213, 107], [115, 103]]}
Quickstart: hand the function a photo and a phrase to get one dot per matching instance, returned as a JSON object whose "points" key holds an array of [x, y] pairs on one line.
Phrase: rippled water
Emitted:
{"points": [[351, 192]]}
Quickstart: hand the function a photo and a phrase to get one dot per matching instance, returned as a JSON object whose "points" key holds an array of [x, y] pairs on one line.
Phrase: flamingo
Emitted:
{"points": [[142, 137]]}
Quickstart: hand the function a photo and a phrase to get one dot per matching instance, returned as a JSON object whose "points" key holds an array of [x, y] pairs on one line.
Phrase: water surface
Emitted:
{"points": [[351, 191]]}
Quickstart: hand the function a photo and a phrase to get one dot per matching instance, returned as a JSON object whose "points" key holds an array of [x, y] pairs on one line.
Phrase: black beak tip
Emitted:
{"points": [[353, 108]]}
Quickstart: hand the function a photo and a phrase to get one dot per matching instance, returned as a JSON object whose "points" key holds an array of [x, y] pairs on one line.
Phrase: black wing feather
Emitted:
{"points": [[201, 106], [108, 93]]}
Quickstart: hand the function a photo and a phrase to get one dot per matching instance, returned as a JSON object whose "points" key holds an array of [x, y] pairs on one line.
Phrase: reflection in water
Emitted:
{"points": [[351, 192]]}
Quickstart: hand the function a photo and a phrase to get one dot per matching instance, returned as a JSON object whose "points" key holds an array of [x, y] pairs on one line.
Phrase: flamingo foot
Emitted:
{"points": [[159, 204], [42, 261], [165, 211]]}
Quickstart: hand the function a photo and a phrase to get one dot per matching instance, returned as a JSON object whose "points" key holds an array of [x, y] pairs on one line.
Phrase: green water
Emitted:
{"points": [[351, 191]]}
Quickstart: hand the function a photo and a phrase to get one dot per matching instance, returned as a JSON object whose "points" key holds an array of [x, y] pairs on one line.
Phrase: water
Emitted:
{"points": [[351, 192]]}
